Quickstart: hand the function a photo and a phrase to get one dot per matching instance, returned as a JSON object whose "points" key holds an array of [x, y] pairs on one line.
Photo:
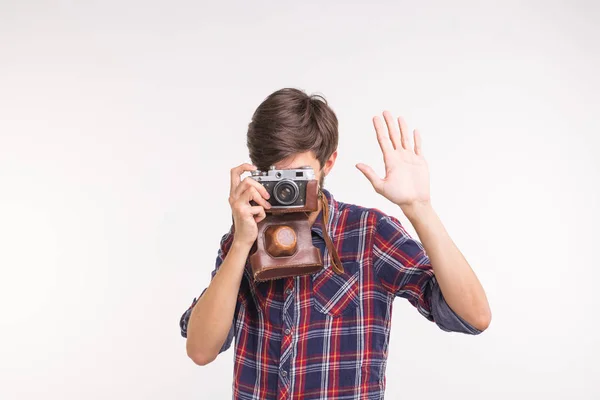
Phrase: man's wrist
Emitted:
{"points": [[241, 247], [418, 211], [237, 256]]}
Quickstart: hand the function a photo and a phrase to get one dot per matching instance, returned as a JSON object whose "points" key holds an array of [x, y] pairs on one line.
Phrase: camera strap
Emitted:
{"points": [[336, 263]]}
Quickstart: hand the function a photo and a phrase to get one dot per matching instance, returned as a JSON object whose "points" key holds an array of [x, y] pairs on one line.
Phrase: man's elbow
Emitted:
{"points": [[482, 320], [199, 357]]}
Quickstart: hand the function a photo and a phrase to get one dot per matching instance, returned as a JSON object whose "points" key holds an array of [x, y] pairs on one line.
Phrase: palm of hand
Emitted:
{"points": [[406, 179]]}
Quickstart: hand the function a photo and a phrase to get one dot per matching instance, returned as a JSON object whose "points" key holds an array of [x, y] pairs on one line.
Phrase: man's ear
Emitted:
{"points": [[329, 163]]}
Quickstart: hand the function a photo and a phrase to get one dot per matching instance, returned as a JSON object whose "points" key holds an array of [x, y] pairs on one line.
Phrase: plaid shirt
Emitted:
{"points": [[325, 336]]}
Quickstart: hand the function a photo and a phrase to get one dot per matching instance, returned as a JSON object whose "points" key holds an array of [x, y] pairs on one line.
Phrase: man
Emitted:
{"points": [[325, 336]]}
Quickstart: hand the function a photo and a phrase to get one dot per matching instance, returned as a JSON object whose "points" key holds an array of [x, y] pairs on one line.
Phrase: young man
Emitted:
{"points": [[325, 336]]}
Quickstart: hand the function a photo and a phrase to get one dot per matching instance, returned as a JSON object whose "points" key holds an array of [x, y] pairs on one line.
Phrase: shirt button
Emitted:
{"points": [[287, 331], [284, 373], [288, 291]]}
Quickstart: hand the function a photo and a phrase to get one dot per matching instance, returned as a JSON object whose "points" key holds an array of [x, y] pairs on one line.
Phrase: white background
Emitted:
{"points": [[120, 120]]}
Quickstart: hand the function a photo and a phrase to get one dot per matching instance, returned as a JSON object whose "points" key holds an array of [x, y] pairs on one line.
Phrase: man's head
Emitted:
{"points": [[290, 129]]}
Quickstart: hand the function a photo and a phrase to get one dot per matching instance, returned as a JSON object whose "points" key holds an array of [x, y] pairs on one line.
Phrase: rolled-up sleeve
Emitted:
{"points": [[445, 317], [404, 269], [226, 241]]}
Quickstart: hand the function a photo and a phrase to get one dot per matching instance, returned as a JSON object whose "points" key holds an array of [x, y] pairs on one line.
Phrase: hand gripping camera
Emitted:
{"points": [[284, 244]]}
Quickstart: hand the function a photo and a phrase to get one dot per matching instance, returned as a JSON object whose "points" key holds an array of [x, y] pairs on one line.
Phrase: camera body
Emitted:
{"points": [[290, 190]]}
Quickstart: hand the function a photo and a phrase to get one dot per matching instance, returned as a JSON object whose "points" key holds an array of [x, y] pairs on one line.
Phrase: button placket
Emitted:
{"points": [[286, 338]]}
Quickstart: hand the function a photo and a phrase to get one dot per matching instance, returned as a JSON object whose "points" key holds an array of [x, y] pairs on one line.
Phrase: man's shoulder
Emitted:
{"points": [[355, 213]]}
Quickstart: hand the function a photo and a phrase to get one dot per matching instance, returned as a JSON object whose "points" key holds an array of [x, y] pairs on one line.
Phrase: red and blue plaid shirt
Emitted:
{"points": [[325, 336]]}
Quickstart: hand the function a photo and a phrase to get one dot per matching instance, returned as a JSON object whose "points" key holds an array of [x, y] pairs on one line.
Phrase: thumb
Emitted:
{"points": [[376, 181]]}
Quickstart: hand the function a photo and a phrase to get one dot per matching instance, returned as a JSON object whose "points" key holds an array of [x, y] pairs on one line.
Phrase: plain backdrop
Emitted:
{"points": [[120, 121]]}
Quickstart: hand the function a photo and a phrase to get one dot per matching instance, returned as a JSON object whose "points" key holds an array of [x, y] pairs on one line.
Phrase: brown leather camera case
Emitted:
{"points": [[278, 236], [284, 245]]}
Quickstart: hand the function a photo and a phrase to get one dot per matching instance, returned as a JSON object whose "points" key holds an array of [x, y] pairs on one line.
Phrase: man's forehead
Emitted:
{"points": [[296, 166], [297, 161]]}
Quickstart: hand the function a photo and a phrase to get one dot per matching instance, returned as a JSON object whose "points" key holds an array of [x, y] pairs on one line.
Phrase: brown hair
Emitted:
{"points": [[289, 122]]}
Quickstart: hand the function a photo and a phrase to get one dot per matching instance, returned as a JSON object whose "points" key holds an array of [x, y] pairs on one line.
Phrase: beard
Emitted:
{"points": [[321, 182]]}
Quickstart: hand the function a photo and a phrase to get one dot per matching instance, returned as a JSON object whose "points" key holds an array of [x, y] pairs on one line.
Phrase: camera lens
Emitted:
{"points": [[286, 192]]}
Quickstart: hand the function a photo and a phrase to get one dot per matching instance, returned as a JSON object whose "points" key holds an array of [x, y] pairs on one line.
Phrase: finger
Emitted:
{"points": [[252, 194], [236, 172], [258, 212], [249, 182], [382, 137], [392, 129], [404, 133], [418, 143], [375, 180]]}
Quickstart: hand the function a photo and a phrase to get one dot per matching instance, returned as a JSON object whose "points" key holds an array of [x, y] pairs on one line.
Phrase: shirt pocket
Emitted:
{"points": [[337, 294]]}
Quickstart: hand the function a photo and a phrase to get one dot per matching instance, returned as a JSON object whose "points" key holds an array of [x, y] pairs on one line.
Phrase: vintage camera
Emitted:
{"points": [[290, 190], [284, 246]]}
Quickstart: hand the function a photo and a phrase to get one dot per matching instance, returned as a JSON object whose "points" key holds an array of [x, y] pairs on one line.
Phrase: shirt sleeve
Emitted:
{"points": [[225, 245], [404, 269]]}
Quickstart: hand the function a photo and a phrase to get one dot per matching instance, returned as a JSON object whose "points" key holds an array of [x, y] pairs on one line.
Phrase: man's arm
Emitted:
{"points": [[459, 284], [210, 320], [407, 184]]}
